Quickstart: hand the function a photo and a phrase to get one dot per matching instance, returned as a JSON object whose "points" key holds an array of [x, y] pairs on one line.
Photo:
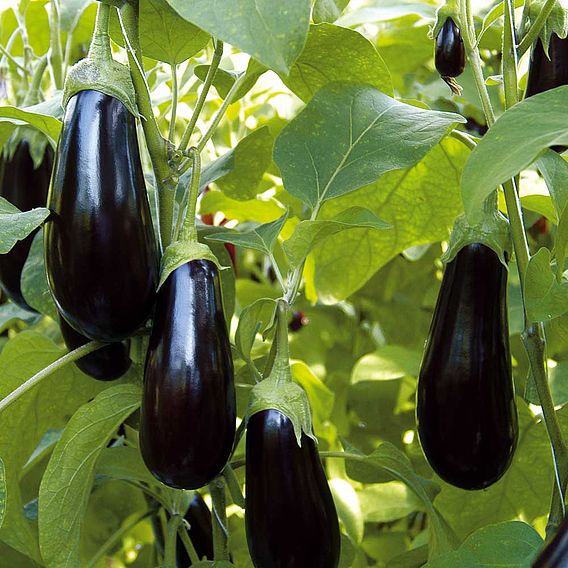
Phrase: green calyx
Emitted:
{"points": [[493, 232], [182, 252], [99, 71], [278, 390], [556, 23], [450, 9]]}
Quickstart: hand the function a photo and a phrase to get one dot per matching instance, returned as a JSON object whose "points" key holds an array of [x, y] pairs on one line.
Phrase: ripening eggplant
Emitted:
{"points": [[449, 55], [290, 517], [466, 413], [25, 187], [100, 249], [105, 364], [555, 553], [187, 425], [200, 532]]}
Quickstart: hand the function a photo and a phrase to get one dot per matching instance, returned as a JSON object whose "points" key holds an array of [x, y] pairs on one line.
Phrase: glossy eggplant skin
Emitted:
{"points": [[545, 73], [26, 188], [555, 553], [200, 532], [100, 248], [466, 413], [449, 55], [187, 425], [106, 364], [291, 521]]}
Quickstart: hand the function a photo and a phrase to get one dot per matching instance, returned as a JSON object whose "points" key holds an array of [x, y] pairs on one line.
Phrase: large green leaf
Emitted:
{"points": [[274, 34], [67, 481], [16, 225], [421, 203], [332, 54], [25, 421], [349, 135], [163, 34], [506, 545], [328, 10], [36, 116], [512, 144]]}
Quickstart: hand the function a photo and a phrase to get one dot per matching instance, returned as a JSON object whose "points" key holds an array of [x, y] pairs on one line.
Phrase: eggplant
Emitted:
{"points": [[100, 248], [25, 187], [290, 517], [449, 55], [105, 364], [466, 412], [187, 424], [555, 553]]}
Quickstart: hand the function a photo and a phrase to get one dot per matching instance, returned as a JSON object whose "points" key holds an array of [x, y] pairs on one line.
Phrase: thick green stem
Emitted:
{"points": [[171, 540], [55, 52], [33, 95], [509, 56], [464, 138], [211, 72], [174, 103], [49, 370], [115, 538], [220, 525], [100, 44], [157, 147], [191, 552], [28, 53], [188, 231], [536, 28]]}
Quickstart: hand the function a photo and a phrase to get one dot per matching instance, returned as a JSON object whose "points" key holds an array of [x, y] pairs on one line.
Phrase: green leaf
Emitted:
{"points": [[554, 169], [387, 11], [348, 508], [308, 234], [251, 158], [512, 144], [163, 34], [387, 363], [35, 116], [261, 238], [67, 481], [16, 225], [255, 318], [421, 203], [545, 297], [348, 136], [321, 398], [333, 54], [505, 545], [558, 383], [251, 210], [389, 460], [35, 287], [272, 33], [47, 405], [387, 502], [123, 462], [11, 313], [70, 11], [328, 10], [3, 492]]}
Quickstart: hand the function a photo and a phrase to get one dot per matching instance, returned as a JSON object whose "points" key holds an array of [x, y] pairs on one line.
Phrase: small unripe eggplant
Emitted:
{"points": [[450, 52], [467, 418], [555, 553], [187, 425], [290, 517], [105, 364], [100, 249], [26, 188]]}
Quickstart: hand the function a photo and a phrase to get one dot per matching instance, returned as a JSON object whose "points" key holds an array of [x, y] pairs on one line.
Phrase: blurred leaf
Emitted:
{"points": [[387, 502], [67, 481], [510, 544], [348, 508], [421, 203], [554, 169], [11, 313], [388, 362], [163, 34], [255, 318], [3, 491], [123, 462], [333, 54], [272, 33], [328, 10], [348, 136], [36, 116], [16, 225], [308, 234], [257, 210], [70, 12]]}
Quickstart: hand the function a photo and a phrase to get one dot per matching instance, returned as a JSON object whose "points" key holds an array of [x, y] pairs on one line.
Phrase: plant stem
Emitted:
{"points": [[221, 112], [115, 538], [171, 538], [157, 147], [509, 56], [8, 56], [536, 28], [49, 370], [183, 534], [276, 268], [464, 138], [220, 527], [234, 486], [174, 103], [55, 53], [188, 231], [28, 53], [209, 78], [33, 95]]}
